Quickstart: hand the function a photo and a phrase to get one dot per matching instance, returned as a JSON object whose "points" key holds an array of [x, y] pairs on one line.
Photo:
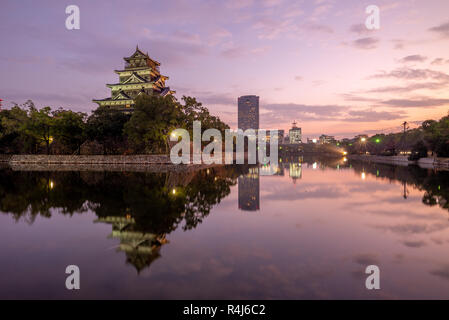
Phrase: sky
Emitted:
{"points": [[312, 61]]}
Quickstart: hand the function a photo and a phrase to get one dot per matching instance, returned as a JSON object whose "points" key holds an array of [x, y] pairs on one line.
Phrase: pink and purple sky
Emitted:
{"points": [[312, 61]]}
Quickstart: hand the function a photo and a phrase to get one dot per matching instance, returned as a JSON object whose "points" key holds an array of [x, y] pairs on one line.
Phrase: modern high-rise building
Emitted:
{"points": [[248, 112], [295, 134]]}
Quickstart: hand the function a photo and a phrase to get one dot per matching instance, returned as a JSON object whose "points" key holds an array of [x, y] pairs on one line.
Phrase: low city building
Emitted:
{"points": [[325, 139], [295, 134]]}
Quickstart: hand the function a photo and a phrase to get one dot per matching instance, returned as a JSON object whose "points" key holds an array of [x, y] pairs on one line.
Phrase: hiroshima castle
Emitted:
{"points": [[140, 75]]}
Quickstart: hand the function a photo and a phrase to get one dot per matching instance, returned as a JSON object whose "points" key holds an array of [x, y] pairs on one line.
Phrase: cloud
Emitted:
{"points": [[409, 229], [372, 116], [298, 78], [312, 27], [437, 79], [175, 47], [239, 4], [353, 97], [413, 58], [398, 44], [413, 74], [414, 244], [271, 3], [234, 52], [421, 103], [439, 61], [360, 29], [278, 113], [442, 30], [365, 43], [409, 88], [270, 28], [366, 259], [442, 272]]}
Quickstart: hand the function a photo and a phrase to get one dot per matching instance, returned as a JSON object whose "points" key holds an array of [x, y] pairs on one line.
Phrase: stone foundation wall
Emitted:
{"points": [[4, 158], [89, 159], [427, 163]]}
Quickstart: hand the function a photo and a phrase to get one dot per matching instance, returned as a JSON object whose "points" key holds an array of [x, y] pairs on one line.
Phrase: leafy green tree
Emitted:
{"points": [[69, 128], [40, 125], [153, 119], [105, 126], [14, 135], [194, 110]]}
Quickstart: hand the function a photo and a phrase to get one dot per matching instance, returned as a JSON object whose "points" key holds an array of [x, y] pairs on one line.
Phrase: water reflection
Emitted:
{"points": [[330, 220], [249, 190], [141, 208]]}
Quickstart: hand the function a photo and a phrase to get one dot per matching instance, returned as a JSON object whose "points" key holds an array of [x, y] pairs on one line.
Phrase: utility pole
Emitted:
{"points": [[404, 135]]}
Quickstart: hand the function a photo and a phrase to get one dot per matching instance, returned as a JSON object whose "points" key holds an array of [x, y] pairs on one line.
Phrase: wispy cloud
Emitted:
{"points": [[417, 103], [365, 43], [413, 58], [442, 30]]}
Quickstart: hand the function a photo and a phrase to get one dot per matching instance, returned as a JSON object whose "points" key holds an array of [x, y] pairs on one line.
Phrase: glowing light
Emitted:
{"points": [[173, 134], [51, 185], [174, 191], [377, 140], [363, 176], [314, 165], [363, 139], [345, 159], [314, 140], [345, 152]]}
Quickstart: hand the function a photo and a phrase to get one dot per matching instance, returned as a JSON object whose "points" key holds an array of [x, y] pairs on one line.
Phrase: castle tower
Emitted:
{"points": [[140, 75]]}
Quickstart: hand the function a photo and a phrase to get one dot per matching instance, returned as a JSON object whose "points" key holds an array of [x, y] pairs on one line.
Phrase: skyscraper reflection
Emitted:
{"points": [[249, 190], [295, 171]]}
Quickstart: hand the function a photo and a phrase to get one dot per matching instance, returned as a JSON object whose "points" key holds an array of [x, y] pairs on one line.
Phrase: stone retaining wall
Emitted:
{"points": [[5, 158], [89, 159], [428, 163]]}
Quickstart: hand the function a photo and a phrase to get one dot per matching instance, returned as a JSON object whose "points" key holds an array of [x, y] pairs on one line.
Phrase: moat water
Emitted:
{"points": [[307, 232]]}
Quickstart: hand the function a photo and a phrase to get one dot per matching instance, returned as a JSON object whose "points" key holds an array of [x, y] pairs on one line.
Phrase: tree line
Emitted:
{"points": [[25, 129], [431, 136]]}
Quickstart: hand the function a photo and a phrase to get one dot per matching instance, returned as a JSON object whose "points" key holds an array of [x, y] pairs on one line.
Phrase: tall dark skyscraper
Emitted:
{"points": [[248, 112]]}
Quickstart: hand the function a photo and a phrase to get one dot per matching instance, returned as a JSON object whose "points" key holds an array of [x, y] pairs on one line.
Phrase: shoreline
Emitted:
{"points": [[424, 163], [139, 163]]}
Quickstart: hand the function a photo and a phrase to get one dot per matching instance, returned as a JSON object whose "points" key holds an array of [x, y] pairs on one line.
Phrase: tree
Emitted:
{"points": [[105, 126], [40, 125], [153, 119], [69, 128], [13, 138], [419, 151], [194, 110]]}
